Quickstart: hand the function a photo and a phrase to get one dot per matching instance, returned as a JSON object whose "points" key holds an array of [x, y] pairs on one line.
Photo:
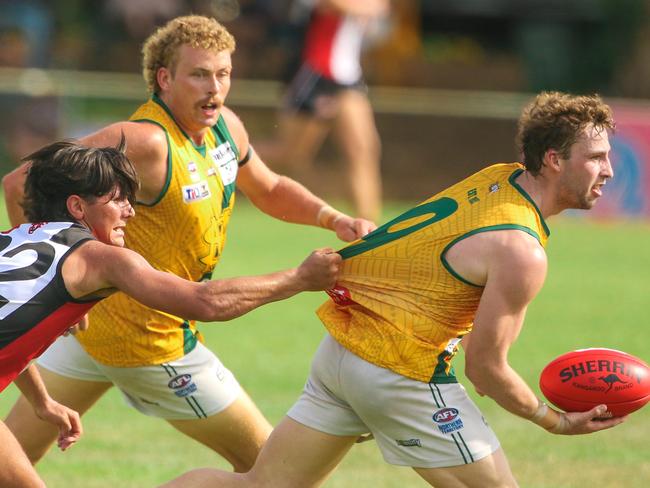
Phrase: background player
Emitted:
{"points": [[190, 152], [328, 91], [470, 258], [56, 268]]}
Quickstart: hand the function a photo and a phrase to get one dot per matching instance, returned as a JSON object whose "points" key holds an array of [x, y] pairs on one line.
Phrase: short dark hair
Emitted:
{"points": [[555, 120], [67, 168]]}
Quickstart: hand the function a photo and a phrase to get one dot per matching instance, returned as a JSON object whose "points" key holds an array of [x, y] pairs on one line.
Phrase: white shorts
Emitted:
{"points": [[194, 386], [422, 425]]}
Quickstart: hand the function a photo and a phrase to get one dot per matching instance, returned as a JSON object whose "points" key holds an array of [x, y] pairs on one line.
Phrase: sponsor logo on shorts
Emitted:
{"points": [[182, 385], [409, 442], [448, 420]]}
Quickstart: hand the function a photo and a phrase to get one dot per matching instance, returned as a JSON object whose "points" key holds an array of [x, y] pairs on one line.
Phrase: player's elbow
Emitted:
{"points": [[482, 372]]}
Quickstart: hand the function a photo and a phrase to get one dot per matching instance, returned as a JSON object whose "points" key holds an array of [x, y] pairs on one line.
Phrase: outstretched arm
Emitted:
{"points": [[97, 266], [516, 270], [31, 385]]}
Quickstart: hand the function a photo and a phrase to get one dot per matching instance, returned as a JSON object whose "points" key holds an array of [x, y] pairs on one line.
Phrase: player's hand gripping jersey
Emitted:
{"points": [[398, 303]]}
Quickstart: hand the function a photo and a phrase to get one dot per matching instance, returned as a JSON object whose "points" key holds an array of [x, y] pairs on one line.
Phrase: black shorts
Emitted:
{"points": [[312, 94]]}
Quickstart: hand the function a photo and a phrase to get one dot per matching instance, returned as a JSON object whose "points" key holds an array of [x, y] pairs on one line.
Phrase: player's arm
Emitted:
{"points": [[31, 385], [97, 266], [146, 148], [515, 272], [284, 198]]}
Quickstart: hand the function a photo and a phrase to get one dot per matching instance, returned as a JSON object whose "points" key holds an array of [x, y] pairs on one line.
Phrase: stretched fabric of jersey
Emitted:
{"points": [[398, 303]]}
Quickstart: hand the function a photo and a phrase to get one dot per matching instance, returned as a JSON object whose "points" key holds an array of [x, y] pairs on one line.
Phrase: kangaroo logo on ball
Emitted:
{"points": [[610, 379]]}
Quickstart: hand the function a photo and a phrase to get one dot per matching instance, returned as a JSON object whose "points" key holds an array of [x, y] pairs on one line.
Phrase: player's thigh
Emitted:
{"points": [[492, 471], [72, 379], [417, 424], [194, 386], [355, 126], [15, 469], [35, 435], [71, 376], [301, 137], [298, 456], [237, 433]]}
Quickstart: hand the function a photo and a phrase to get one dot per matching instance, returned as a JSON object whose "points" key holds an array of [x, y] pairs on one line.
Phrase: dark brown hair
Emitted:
{"points": [[555, 120], [66, 168]]}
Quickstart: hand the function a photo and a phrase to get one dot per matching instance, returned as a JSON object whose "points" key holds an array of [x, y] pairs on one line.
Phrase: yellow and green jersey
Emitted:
{"points": [[183, 232], [398, 303]]}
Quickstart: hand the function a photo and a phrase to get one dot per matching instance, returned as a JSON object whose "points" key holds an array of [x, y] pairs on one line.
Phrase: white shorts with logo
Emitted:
{"points": [[194, 386], [423, 425]]}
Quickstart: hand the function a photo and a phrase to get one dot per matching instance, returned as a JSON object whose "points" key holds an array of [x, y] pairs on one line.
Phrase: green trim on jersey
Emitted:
{"points": [[439, 374], [516, 185], [200, 149], [490, 228], [221, 132], [189, 338], [168, 178], [441, 208]]}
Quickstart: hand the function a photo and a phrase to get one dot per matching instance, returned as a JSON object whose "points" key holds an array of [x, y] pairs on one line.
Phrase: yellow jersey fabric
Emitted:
{"points": [[398, 303], [183, 233]]}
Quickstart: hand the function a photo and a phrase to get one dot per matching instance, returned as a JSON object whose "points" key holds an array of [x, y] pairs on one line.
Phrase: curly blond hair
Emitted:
{"points": [[555, 120], [161, 48]]}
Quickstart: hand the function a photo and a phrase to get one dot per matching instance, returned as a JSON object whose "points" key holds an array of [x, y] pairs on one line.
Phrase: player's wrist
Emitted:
{"points": [[547, 418], [327, 217]]}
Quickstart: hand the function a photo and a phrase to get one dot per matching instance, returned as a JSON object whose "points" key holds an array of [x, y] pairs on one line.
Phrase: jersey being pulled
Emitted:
{"points": [[398, 303], [35, 307], [183, 233]]}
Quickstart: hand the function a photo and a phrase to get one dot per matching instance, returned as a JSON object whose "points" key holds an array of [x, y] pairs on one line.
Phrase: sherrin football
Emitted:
{"points": [[579, 380]]}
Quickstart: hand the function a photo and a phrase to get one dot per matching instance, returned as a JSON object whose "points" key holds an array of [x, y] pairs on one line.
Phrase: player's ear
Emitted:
{"points": [[75, 205], [552, 160], [163, 77]]}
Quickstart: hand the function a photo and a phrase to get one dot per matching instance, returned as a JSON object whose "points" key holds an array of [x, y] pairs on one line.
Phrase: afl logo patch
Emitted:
{"points": [[179, 381], [182, 385], [448, 420], [445, 415]]}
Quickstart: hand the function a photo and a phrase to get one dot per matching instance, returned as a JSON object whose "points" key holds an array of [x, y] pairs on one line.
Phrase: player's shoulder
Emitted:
{"points": [[519, 247], [141, 137], [236, 128], [99, 254], [144, 133], [231, 119]]}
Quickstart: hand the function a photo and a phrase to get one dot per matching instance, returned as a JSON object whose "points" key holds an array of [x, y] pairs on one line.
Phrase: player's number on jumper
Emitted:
{"points": [[421, 216], [44, 258]]}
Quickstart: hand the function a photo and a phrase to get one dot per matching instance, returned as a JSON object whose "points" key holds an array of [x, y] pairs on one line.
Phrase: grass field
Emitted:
{"points": [[597, 294]]}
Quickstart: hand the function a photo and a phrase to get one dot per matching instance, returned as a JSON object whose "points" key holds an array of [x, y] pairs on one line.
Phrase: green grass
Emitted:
{"points": [[596, 294]]}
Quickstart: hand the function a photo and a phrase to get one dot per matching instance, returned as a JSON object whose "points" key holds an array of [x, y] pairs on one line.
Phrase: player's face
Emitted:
{"points": [[106, 218], [587, 170], [196, 88]]}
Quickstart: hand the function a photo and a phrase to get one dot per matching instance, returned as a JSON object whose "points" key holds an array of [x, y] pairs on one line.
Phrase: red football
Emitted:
{"points": [[579, 380]]}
